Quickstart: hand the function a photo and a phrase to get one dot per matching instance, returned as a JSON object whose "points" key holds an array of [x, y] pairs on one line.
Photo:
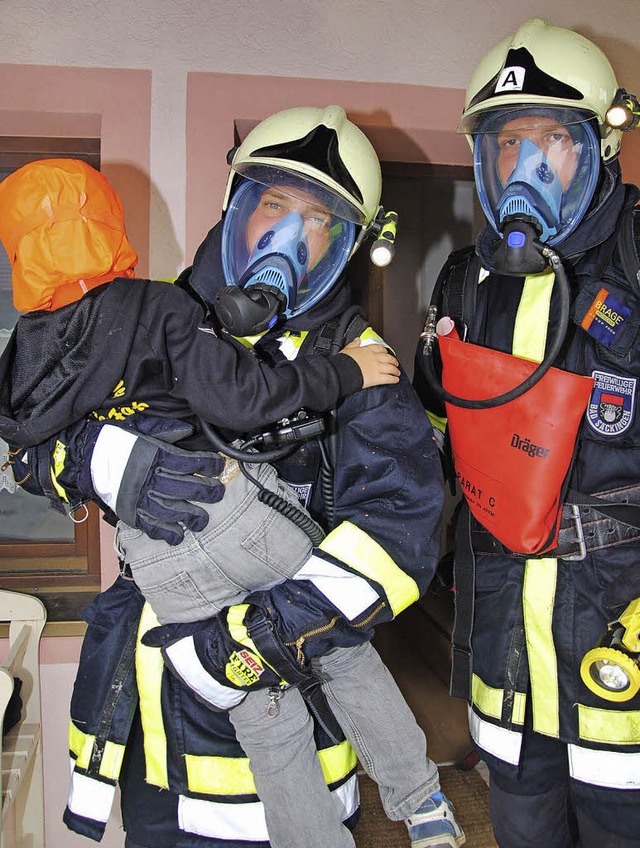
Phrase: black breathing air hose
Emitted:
{"points": [[244, 455], [535, 376]]}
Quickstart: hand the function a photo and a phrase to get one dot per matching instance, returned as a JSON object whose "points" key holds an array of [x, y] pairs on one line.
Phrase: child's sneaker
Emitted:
{"points": [[434, 824]]}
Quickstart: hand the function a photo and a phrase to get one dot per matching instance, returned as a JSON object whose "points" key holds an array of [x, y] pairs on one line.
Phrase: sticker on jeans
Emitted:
{"points": [[612, 404], [303, 492]]}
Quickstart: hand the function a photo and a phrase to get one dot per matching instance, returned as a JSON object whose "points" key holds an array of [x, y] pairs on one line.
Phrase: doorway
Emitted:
{"points": [[437, 213]]}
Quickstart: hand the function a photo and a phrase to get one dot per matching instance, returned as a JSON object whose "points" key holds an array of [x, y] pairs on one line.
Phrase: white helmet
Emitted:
{"points": [[304, 190], [545, 65], [319, 145]]}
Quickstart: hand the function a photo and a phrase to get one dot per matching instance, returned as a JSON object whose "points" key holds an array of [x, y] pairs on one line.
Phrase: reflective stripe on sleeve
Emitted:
{"points": [[89, 797], [109, 460], [502, 743], [186, 664], [349, 593], [82, 745], [362, 553], [613, 769]]}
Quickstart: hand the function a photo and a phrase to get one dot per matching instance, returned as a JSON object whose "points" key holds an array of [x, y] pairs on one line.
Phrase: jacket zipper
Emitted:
{"points": [[299, 642]]}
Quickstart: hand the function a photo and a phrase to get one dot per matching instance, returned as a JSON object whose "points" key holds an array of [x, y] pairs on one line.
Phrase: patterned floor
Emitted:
{"points": [[467, 791]]}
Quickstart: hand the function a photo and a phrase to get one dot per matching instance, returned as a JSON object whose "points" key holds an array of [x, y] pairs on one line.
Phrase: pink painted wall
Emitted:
{"points": [[410, 123], [56, 101]]}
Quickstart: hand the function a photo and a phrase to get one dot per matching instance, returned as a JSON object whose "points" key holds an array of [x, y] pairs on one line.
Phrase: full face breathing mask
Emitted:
{"points": [[536, 171], [282, 251]]}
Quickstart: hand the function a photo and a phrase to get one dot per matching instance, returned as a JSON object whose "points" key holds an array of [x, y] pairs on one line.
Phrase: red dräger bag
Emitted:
{"points": [[511, 461]]}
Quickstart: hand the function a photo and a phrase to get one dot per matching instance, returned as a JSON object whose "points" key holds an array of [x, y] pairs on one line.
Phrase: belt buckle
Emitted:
{"points": [[582, 545]]}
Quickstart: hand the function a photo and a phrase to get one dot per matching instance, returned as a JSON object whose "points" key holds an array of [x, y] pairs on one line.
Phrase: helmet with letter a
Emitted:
{"points": [[539, 116]]}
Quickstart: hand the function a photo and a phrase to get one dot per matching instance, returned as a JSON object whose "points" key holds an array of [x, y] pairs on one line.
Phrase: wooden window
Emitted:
{"points": [[41, 551]]}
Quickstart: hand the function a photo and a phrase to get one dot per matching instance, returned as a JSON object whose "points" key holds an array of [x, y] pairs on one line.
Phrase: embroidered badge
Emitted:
{"points": [[303, 491], [605, 317], [612, 404], [244, 668]]}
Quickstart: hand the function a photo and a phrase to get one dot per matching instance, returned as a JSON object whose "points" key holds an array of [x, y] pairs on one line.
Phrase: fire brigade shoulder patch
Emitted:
{"points": [[612, 404]]}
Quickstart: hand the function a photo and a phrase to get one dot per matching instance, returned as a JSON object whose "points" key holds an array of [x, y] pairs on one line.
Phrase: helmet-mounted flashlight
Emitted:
{"points": [[383, 248], [624, 112]]}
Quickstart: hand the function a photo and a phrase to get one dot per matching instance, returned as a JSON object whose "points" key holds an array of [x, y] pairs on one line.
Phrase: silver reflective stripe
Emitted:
{"points": [[614, 769], [90, 798], [108, 461], [347, 592], [238, 822], [217, 820], [185, 663], [502, 743], [347, 797]]}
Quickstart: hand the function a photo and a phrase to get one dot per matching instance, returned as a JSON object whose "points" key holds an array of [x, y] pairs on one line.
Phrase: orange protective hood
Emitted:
{"points": [[62, 226]]}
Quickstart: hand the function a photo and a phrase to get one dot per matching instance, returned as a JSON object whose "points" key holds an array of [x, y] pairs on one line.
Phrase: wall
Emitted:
{"points": [[417, 42], [164, 83]]}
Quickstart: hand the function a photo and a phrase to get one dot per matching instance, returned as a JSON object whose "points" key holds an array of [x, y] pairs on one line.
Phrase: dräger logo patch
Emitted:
{"points": [[612, 403], [529, 447]]}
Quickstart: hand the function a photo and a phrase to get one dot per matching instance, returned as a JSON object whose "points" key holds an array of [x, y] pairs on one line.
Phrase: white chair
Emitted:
{"points": [[21, 748]]}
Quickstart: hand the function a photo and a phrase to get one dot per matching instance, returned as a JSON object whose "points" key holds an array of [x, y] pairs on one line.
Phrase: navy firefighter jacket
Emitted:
{"points": [[383, 542]]}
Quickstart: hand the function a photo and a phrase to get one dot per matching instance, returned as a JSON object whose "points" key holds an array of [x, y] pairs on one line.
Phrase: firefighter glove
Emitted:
{"points": [[153, 485]]}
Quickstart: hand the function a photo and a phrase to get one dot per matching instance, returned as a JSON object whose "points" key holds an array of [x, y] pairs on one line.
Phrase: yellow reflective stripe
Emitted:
{"points": [[219, 775], [530, 328], [58, 458], [370, 335], [249, 341], [81, 744], [239, 632], [538, 598], [437, 422], [111, 760], [358, 550], [149, 670], [337, 761], [237, 627], [489, 700], [232, 775], [294, 339], [617, 727]]}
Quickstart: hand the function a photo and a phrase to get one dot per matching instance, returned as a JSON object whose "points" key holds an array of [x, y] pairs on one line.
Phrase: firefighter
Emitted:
{"points": [[184, 781], [553, 274]]}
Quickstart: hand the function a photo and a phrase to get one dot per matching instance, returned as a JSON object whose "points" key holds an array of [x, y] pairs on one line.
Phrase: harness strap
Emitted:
{"points": [[589, 523], [464, 575], [456, 287], [308, 683], [629, 245], [318, 342]]}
